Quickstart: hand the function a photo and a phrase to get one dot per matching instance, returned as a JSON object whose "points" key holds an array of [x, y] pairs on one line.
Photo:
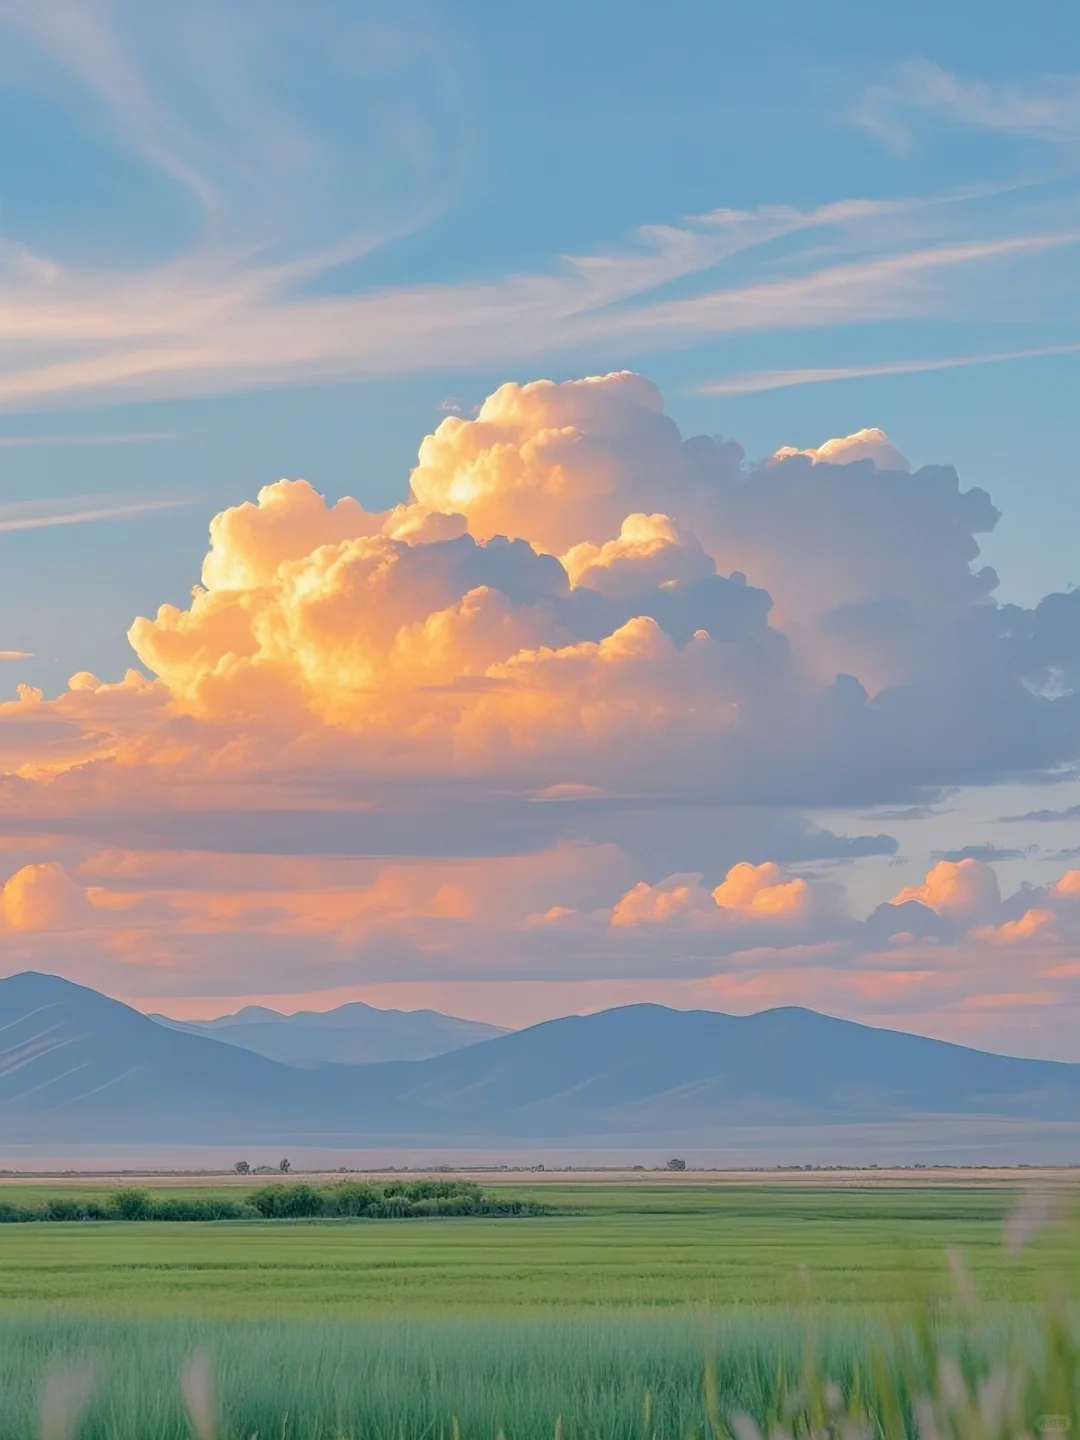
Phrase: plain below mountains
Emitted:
{"points": [[354, 1034], [79, 1068]]}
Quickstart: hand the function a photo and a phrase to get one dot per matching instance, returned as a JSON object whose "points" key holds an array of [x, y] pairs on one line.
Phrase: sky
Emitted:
{"points": [[521, 513]]}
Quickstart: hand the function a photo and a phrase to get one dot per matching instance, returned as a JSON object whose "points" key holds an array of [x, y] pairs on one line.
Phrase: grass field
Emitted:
{"points": [[606, 1377], [644, 1312], [603, 1247], [631, 1378]]}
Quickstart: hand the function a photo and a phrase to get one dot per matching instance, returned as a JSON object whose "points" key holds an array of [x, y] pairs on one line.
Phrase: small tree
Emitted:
{"points": [[132, 1205], [284, 1166], [242, 1167], [675, 1164]]}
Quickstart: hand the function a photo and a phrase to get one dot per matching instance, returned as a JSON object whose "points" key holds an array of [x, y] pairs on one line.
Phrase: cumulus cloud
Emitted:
{"points": [[1031, 923], [748, 895], [43, 897], [964, 888], [573, 593], [579, 682], [648, 553], [868, 444]]}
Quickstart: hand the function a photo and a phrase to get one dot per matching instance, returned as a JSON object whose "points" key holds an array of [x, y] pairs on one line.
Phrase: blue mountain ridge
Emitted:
{"points": [[78, 1067], [353, 1034]]}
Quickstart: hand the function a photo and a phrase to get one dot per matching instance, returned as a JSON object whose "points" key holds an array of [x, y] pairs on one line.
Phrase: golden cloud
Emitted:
{"points": [[965, 888]]}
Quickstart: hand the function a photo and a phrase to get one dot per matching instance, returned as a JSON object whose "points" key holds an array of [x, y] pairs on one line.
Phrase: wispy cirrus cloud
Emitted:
{"points": [[199, 327], [76, 441], [210, 98], [1045, 108], [271, 290], [73, 510], [756, 381]]}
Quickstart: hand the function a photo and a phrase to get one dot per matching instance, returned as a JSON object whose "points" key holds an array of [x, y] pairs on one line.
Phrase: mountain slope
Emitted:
{"points": [[76, 1067], [647, 1068], [354, 1034]]}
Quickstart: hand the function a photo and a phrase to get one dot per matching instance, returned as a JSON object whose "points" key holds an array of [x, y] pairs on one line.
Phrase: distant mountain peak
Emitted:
{"points": [[352, 1034]]}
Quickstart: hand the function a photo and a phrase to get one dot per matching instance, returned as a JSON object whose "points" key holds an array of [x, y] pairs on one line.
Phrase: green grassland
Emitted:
{"points": [[625, 1312], [593, 1378], [652, 1248]]}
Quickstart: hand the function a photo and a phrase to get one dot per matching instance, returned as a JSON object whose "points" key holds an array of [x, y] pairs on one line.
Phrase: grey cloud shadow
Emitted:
{"points": [[1041, 816], [662, 836], [988, 853]]}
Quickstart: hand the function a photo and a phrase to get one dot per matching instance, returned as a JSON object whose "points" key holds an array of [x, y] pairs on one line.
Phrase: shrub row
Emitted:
{"points": [[345, 1200], [381, 1202]]}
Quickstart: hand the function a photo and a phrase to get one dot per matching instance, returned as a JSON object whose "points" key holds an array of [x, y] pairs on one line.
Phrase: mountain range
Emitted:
{"points": [[354, 1034], [79, 1068]]}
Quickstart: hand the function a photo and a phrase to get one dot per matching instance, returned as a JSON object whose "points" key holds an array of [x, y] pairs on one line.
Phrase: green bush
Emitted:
{"points": [[415, 1190], [347, 1200], [132, 1205], [64, 1209], [289, 1202], [197, 1208], [353, 1199]]}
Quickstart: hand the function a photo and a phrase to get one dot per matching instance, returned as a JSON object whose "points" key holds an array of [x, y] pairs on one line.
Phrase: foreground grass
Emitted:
{"points": [[634, 1378], [654, 1251], [392, 1379]]}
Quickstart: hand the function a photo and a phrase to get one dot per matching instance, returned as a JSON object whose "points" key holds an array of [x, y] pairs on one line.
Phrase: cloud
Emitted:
{"points": [[755, 896], [43, 897], [1047, 108], [987, 852], [1031, 923], [18, 515], [1072, 812], [210, 327], [16, 655], [758, 892], [748, 895], [961, 888], [648, 553], [227, 123], [554, 717], [573, 594], [755, 382], [867, 444], [76, 440]]}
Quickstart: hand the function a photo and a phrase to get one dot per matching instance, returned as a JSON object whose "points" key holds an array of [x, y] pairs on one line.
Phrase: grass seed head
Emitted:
{"points": [[197, 1388], [65, 1395]]}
